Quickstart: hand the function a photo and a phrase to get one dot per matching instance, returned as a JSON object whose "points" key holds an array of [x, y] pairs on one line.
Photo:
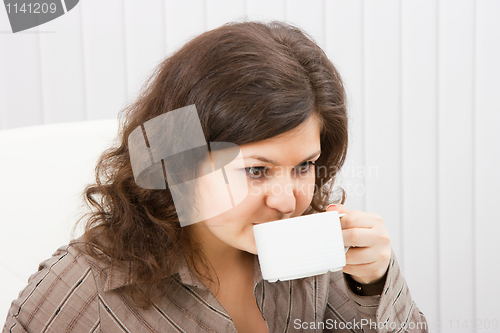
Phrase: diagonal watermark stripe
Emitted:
{"points": [[205, 179]]}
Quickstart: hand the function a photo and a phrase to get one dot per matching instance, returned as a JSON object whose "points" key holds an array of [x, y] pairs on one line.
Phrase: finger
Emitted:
{"points": [[360, 270], [359, 237], [339, 208], [355, 219], [361, 255], [366, 273]]}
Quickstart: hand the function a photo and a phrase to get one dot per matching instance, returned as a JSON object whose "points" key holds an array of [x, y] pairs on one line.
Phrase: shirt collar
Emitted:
{"points": [[115, 278], [187, 276]]}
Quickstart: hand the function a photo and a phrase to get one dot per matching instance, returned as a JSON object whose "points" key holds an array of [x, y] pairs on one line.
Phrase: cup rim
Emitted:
{"points": [[293, 218]]}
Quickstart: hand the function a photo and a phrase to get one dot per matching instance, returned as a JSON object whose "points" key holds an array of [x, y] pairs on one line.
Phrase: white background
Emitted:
{"points": [[423, 79]]}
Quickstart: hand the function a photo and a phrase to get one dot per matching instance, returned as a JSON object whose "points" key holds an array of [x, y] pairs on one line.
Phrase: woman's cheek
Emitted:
{"points": [[307, 188], [256, 188]]}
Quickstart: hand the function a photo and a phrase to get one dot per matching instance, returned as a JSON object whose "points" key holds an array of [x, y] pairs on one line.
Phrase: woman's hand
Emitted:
{"points": [[368, 258]]}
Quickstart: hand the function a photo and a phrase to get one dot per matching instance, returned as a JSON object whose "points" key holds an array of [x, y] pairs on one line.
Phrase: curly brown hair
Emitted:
{"points": [[250, 81]]}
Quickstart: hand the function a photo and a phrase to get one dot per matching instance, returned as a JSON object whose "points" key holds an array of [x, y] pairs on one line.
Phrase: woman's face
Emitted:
{"points": [[280, 176]]}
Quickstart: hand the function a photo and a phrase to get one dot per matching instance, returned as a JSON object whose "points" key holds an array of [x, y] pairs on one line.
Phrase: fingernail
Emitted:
{"points": [[331, 206]]}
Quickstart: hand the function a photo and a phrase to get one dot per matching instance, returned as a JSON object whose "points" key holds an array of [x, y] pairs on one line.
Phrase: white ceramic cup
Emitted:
{"points": [[301, 246]]}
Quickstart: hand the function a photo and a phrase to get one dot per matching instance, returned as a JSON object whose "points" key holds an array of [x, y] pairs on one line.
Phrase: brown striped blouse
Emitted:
{"points": [[72, 292]]}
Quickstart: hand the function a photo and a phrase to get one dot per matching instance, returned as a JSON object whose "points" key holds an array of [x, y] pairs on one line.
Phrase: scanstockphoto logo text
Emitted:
{"points": [[26, 14], [330, 324], [453, 324]]}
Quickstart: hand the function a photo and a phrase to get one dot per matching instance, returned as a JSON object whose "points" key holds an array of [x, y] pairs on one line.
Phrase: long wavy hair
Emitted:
{"points": [[250, 81]]}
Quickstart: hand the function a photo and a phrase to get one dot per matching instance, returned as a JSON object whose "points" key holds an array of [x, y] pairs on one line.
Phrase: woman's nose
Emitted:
{"points": [[280, 195]]}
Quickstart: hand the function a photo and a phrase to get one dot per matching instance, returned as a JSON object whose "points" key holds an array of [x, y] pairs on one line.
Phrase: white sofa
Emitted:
{"points": [[43, 171]]}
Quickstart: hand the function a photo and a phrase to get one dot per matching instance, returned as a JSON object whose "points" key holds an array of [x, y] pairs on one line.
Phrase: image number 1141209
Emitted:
{"points": [[34, 8]]}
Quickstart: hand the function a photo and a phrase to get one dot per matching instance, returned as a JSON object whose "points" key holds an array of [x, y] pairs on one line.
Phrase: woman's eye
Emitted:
{"points": [[305, 167], [255, 172]]}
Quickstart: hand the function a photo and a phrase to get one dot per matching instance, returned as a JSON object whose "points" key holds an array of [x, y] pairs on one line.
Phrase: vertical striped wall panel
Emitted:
{"points": [[422, 79], [455, 152], [265, 10], [345, 45], [309, 15], [104, 48], [419, 152], [486, 161], [382, 113], [219, 12], [62, 71], [181, 28], [144, 41], [21, 102]]}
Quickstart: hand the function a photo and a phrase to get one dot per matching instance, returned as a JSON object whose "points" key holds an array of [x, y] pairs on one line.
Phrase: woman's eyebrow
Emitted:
{"points": [[266, 160]]}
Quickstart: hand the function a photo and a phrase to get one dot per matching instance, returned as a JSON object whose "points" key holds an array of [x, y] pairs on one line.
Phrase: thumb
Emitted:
{"points": [[339, 208]]}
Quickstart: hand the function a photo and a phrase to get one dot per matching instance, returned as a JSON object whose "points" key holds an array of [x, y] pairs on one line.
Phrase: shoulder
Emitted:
{"points": [[60, 297]]}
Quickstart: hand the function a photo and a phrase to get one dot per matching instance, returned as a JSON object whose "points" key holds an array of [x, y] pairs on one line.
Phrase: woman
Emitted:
{"points": [[148, 262]]}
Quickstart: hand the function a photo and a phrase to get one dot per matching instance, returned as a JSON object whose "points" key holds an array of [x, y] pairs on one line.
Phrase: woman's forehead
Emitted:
{"points": [[300, 143], [309, 130]]}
